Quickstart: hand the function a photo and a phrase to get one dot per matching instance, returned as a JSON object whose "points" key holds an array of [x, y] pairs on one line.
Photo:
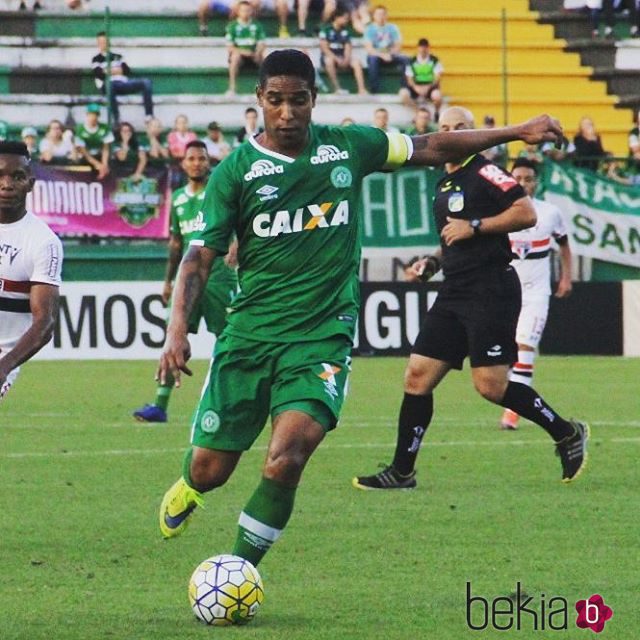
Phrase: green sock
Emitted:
{"points": [[186, 467], [263, 519], [163, 392]]}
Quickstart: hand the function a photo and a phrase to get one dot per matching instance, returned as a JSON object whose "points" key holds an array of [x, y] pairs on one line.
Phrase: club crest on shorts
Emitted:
{"points": [[210, 421], [456, 202]]}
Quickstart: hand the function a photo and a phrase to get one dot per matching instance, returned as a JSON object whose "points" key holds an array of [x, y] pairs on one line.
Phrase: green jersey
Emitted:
{"points": [[93, 139], [297, 223], [245, 36], [186, 221]]}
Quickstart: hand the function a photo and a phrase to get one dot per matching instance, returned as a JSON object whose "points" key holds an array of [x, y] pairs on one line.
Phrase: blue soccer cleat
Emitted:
{"points": [[150, 413]]}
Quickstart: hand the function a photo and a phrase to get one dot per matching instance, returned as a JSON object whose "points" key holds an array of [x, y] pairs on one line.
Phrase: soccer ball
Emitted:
{"points": [[225, 590]]}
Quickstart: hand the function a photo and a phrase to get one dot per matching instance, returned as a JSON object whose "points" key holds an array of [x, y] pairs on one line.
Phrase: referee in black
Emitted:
{"points": [[477, 204]]}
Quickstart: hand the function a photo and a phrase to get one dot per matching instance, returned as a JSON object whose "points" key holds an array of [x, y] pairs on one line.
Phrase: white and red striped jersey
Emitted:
{"points": [[531, 247], [29, 253]]}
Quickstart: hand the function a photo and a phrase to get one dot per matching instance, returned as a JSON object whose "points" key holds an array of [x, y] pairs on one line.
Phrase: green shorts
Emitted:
{"points": [[216, 298], [248, 381]]}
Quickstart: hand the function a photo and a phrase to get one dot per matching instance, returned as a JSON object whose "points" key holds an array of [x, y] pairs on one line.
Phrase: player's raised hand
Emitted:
{"points": [[542, 128], [173, 360]]}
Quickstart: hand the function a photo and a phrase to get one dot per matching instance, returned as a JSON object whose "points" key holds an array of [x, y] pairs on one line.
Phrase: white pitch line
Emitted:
{"points": [[364, 445]]}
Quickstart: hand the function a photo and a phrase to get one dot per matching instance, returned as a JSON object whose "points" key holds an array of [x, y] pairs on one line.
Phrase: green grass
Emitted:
{"points": [[80, 484]]}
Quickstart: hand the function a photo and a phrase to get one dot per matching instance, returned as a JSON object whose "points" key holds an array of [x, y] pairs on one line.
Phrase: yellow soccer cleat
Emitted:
{"points": [[177, 505]]}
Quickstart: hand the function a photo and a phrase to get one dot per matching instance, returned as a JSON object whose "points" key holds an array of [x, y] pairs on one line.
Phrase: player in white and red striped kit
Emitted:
{"points": [[531, 250], [30, 267]]}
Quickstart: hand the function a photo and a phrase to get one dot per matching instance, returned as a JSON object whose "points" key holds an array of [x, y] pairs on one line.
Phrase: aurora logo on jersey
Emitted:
{"points": [[328, 153], [262, 168], [267, 225]]}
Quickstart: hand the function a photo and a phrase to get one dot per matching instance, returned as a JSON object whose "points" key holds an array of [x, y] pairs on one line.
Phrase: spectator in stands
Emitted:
{"points": [[281, 9], [217, 147], [121, 83], [226, 8], [229, 9], [383, 43], [245, 42], [29, 136], [4, 130], [336, 51], [422, 123], [179, 137], [325, 8], [634, 145], [128, 157], [422, 76], [532, 152], [23, 6], [360, 14], [57, 145], [156, 144], [619, 173], [250, 128], [499, 153], [589, 149], [609, 7], [93, 141], [381, 120], [551, 151]]}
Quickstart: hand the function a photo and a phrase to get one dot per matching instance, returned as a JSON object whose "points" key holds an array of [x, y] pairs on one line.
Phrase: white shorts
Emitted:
{"points": [[532, 320], [11, 378]]}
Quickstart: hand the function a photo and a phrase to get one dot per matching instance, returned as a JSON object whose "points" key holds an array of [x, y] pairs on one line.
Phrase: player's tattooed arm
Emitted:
{"points": [[454, 146], [190, 283]]}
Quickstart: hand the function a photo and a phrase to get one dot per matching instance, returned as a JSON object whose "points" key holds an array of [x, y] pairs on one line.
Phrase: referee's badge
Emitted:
{"points": [[456, 202]]}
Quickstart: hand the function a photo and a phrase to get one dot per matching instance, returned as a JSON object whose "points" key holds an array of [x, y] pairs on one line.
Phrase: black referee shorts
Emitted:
{"points": [[473, 316]]}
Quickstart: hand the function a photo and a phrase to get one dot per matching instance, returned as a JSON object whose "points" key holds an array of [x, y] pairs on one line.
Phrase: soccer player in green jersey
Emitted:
{"points": [[186, 220], [291, 196], [245, 43]]}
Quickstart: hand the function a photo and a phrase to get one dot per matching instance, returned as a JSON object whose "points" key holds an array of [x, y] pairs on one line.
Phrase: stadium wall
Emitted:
{"points": [[125, 320]]}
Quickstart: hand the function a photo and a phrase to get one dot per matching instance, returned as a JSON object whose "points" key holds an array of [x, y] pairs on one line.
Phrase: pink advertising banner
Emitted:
{"points": [[72, 202]]}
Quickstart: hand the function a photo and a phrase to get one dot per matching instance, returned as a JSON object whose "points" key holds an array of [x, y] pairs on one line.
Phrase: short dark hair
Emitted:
{"points": [[423, 42], [340, 10], [14, 148], [525, 163], [101, 33], [196, 144], [250, 110], [288, 62]]}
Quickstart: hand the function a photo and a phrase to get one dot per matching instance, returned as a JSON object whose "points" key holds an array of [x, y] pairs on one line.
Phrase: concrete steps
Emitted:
{"points": [[37, 110]]}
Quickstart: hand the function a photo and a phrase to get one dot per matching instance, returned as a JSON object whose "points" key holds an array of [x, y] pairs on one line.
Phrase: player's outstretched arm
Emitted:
{"points": [[450, 146], [43, 303], [192, 277]]}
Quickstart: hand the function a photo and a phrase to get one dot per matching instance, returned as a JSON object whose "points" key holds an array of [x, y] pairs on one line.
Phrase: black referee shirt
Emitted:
{"points": [[478, 189]]}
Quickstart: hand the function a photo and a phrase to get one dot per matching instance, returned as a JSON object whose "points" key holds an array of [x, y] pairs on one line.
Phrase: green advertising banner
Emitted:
{"points": [[602, 216], [397, 208]]}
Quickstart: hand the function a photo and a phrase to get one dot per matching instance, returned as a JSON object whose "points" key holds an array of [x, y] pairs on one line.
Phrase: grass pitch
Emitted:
{"points": [[80, 483]]}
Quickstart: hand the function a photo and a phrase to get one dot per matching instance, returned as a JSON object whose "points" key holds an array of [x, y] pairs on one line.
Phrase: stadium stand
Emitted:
{"points": [[545, 72], [45, 70]]}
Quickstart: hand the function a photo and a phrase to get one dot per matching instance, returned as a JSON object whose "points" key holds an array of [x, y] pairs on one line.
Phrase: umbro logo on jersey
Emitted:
{"points": [[495, 351], [267, 192], [262, 168], [328, 153]]}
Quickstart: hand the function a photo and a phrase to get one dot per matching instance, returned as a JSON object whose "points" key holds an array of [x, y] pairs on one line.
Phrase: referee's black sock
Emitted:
{"points": [[526, 402], [415, 416]]}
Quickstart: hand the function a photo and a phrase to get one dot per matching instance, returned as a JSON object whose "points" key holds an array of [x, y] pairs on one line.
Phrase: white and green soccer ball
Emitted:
{"points": [[225, 590]]}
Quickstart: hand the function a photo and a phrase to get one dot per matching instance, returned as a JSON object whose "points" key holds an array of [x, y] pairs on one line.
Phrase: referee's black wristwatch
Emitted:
{"points": [[475, 225]]}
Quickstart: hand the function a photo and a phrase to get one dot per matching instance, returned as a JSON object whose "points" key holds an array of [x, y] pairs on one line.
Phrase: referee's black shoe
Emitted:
{"points": [[573, 451], [388, 478]]}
